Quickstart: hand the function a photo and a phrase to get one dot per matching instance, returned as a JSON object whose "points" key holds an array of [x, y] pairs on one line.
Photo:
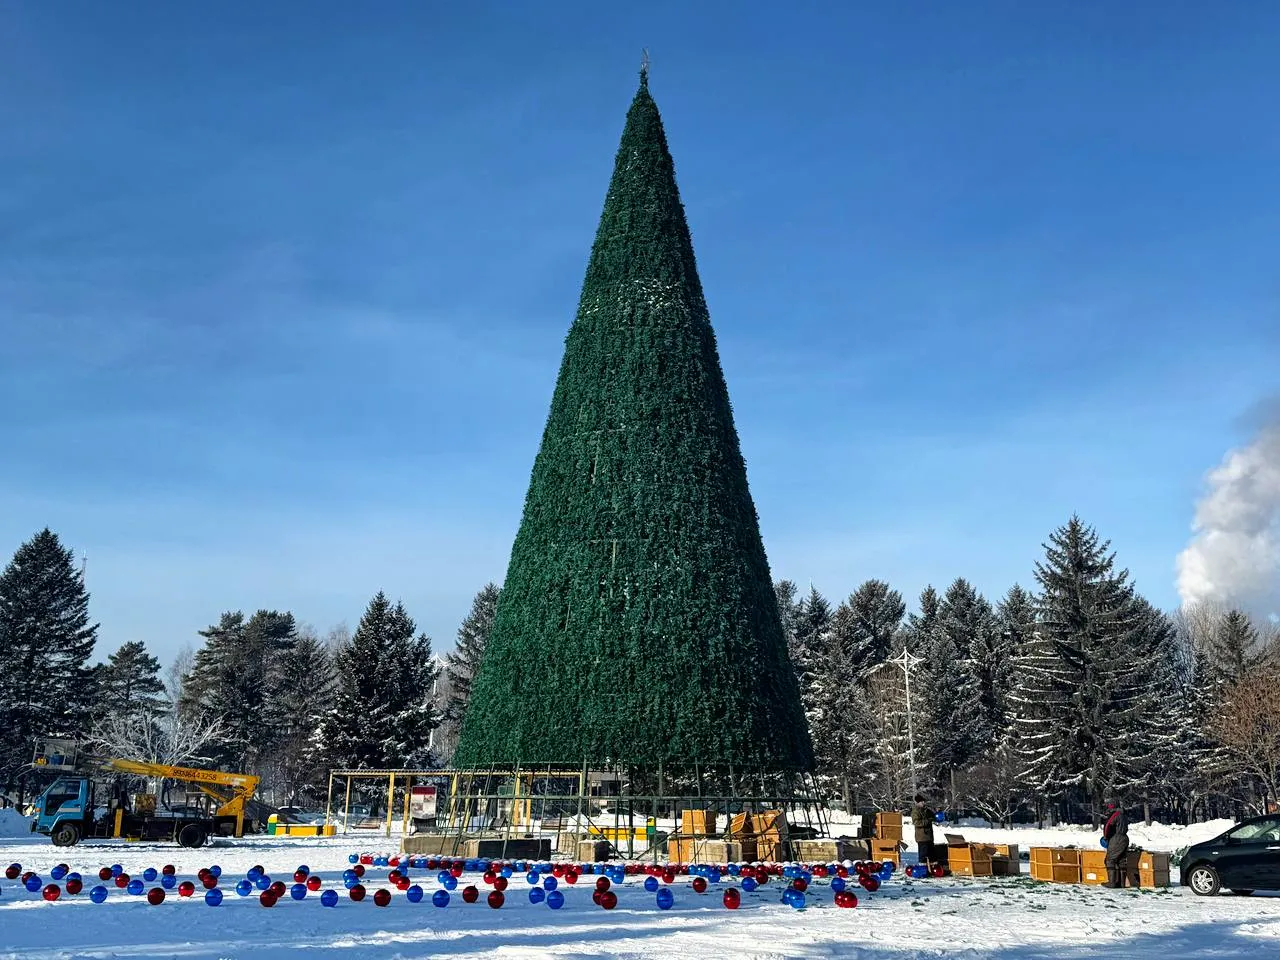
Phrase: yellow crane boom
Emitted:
{"points": [[231, 802]]}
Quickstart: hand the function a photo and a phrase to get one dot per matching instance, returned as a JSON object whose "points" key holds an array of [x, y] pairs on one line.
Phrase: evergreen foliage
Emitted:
{"points": [[809, 644], [955, 719], [303, 694], [918, 635], [236, 679], [130, 680], [46, 640], [638, 605], [1232, 647], [382, 714], [1082, 685], [462, 663]]}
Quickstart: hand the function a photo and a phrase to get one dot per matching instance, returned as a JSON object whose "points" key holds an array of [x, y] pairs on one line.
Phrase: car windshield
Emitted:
{"points": [[1262, 830]]}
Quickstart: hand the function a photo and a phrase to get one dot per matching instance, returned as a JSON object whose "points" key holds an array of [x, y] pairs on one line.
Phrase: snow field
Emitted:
{"points": [[992, 918]]}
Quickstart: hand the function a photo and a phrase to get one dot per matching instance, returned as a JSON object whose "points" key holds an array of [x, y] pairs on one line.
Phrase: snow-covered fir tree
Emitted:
{"points": [[1081, 684], [1233, 647], [954, 728], [303, 693], [382, 713], [46, 641]]}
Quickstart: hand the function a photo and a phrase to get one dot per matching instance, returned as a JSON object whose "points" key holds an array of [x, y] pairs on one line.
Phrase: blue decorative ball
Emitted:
{"points": [[213, 897], [263, 882], [537, 894], [298, 891], [550, 883], [440, 898], [665, 899], [136, 887], [533, 878], [749, 884], [329, 898], [940, 817], [555, 899], [169, 881], [244, 887], [150, 874], [98, 894], [651, 884], [837, 884], [414, 894]]}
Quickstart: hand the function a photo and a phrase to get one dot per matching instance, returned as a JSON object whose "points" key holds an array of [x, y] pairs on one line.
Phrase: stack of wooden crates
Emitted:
{"points": [[763, 835], [886, 843], [966, 859], [1069, 865]]}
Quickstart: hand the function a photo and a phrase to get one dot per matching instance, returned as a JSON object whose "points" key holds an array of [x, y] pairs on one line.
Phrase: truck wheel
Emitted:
{"points": [[65, 835], [192, 835]]}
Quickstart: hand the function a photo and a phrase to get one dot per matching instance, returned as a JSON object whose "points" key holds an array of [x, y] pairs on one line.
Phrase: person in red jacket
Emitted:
{"points": [[1116, 832]]}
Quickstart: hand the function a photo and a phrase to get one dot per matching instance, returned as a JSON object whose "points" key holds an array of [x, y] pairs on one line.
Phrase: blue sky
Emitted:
{"points": [[283, 287]]}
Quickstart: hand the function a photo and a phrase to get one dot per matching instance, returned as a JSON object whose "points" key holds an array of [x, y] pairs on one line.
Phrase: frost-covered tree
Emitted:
{"points": [[383, 712], [1233, 646], [462, 663], [1077, 703], [954, 729], [302, 694], [46, 640]]}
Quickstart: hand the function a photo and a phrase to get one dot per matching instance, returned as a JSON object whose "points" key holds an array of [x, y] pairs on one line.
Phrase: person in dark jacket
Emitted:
{"points": [[1116, 832], [922, 818]]}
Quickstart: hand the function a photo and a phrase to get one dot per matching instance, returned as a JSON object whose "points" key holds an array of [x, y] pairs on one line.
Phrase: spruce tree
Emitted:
{"points": [[382, 713], [1233, 647], [463, 662], [638, 604], [46, 640], [302, 696], [789, 609], [953, 729], [235, 679], [918, 635], [866, 625], [1078, 695], [130, 680], [812, 631]]}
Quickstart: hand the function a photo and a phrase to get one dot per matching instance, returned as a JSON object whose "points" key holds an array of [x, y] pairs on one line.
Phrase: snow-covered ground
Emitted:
{"points": [[990, 919]]}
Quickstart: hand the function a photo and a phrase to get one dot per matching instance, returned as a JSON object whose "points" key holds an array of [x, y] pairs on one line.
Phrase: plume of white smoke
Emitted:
{"points": [[1233, 559]]}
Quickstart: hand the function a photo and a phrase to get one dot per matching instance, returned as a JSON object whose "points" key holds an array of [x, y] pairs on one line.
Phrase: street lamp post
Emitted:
{"points": [[908, 661]]}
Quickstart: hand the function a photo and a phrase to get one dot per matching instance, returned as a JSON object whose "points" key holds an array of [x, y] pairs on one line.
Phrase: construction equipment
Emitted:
{"points": [[93, 802]]}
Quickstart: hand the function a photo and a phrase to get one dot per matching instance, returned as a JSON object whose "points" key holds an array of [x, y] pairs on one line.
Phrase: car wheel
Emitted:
{"points": [[1243, 893], [65, 835], [192, 835], [1203, 880]]}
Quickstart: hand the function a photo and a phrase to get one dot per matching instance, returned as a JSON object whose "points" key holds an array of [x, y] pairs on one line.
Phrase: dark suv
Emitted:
{"points": [[1244, 859]]}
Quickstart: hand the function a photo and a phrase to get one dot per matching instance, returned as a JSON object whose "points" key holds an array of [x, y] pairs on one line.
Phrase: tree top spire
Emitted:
{"points": [[644, 67]]}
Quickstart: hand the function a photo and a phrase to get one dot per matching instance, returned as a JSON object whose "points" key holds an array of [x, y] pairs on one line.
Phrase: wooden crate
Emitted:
{"points": [[1153, 869], [1055, 864], [888, 826], [698, 823], [886, 850], [1093, 867], [703, 850], [968, 859], [1004, 859]]}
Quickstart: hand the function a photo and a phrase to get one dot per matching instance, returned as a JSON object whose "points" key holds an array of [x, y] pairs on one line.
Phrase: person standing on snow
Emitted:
{"points": [[1116, 832], [922, 818]]}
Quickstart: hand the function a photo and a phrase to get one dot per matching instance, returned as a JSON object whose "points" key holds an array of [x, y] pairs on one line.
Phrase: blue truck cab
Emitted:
{"points": [[65, 811]]}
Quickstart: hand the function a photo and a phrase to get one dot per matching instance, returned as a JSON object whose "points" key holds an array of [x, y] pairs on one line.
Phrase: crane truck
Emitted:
{"points": [[91, 800]]}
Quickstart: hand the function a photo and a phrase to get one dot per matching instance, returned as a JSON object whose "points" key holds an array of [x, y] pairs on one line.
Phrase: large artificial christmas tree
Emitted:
{"points": [[638, 623]]}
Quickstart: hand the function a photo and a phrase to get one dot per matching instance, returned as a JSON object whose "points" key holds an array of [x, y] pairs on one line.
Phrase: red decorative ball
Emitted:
{"points": [[602, 883], [732, 898], [202, 873], [122, 881], [500, 883], [456, 871], [496, 898], [381, 897], [186, 888], [870, 884], [819, 871], [570, 877], [470, 894], [668, 877], [155, 896], [313, 883], [489, 877], [846, 898], [939, 872], [267, 898], [699, 885], [358, 869], [842, 872], [608, 899], [762, 877], [278, 888], [799, 883], [11, 872], [366, 860], [103, 874], [394, 861], [209, 881], [74, 886], [169, 870], [356, 893], [300, 877], [51, 892]]}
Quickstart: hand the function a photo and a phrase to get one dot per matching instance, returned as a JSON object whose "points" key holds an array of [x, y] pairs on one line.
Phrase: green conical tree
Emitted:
{"points": [[638, 621]]}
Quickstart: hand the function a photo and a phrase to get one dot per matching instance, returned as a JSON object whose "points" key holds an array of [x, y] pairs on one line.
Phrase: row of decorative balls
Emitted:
{"points": [[543, 879]]}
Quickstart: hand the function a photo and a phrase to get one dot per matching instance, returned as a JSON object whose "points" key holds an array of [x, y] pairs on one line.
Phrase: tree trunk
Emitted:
{"points": [[1146, 812]]}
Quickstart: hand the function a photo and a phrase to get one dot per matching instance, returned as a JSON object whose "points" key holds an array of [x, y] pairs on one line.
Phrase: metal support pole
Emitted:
{"points": [[907, 661]]}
